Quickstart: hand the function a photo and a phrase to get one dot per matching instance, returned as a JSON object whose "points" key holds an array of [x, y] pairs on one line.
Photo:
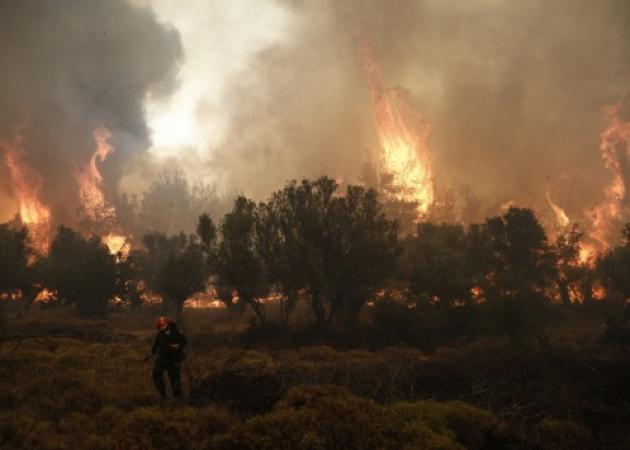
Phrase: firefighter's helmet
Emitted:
{"points": [[161, 323]]}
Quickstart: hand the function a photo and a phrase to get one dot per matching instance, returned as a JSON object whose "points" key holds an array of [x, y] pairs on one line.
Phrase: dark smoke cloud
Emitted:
{"points": [[513, 90], [71, 66]]}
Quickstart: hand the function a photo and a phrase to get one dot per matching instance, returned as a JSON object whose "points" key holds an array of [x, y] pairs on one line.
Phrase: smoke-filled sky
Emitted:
{"points": [[249, 94], [69, 67]]}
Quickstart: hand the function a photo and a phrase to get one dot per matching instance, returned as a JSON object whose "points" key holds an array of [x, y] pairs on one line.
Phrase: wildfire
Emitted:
{"points": [[405, 156], [116, 243], [561, 216], [614, 145], [587, 254], [27, 184], [94, 204], [45, 296], [89, 180]]}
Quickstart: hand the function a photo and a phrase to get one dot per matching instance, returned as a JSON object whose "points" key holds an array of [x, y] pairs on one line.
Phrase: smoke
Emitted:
{"points": [[69, 67], [513, 91]]}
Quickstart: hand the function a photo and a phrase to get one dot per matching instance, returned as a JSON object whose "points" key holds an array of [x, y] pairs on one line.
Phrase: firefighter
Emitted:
{"points": [[168, 349]]}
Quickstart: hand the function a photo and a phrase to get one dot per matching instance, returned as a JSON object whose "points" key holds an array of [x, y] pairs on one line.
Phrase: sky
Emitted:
{"points": [[249, 94]]}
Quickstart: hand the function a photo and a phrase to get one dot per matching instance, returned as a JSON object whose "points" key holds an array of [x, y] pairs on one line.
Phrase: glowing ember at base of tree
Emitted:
{"points": [[45, 296]]}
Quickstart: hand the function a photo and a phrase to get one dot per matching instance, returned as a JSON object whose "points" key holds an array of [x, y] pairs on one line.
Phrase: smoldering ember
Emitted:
{"points": [[314, 224]]}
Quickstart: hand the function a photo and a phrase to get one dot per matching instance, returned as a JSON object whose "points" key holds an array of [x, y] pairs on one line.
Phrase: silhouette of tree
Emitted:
{"points": [[570, 272], [614, 267], [174, 266], [233, 258], [14, 253], [436, 265], [81, 271], [522, 260], [172, 204], [520, 266], [335, 250]]}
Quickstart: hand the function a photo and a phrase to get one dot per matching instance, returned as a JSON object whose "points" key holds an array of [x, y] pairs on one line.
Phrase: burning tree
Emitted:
{"points": [[27, 183], [404, 164]]}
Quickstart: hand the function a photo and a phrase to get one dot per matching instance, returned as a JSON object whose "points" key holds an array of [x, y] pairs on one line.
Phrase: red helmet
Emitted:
{"points": [[161, 323]]}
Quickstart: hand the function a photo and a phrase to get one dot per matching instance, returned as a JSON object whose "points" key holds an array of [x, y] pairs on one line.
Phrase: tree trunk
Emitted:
{"points": [[318, 310], [563, 286]]}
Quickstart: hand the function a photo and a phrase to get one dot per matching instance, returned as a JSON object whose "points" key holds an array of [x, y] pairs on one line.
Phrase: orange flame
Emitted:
{"points": [[92, 198], [561, 216], [117, 243], [614, 142], [587, 254], [95, 205], [403, 136], [45, 296], [27, 184]]}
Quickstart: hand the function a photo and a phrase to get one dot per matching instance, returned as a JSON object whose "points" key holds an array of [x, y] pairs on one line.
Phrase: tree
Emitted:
{"points": [[171, 204], [614, 267], [174, 267], [521, 259], [519, 267], [436, 266], [570, 271], [335, 250], [182, 275], [14, 253], [233, 259], [366, 255], [82, 272]]}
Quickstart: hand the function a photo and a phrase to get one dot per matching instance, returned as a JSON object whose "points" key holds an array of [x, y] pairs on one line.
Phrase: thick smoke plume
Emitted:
{"points": [[69, 68], [514, 93]]}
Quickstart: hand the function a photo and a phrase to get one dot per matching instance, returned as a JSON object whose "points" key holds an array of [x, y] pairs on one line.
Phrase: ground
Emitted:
{"points": [[67, 382]]}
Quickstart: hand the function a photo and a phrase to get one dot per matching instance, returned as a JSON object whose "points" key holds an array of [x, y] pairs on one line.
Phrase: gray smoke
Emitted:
{"points": [[71, 66], [513, 91]]}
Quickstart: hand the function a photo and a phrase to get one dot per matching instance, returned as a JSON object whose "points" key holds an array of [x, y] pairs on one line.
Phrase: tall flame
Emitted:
{"points": [[405, 156], [561, 216], [89, 180], [614, 145], [27, 184], [94, 204]]}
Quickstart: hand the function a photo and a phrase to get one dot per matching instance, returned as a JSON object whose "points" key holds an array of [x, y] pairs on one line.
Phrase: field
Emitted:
{"points": [[73, 383]]}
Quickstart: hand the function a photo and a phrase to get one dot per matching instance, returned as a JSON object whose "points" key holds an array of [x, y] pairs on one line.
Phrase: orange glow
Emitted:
{"points": [[89, 180], [614, 140], [598, 292], [405, 157], [27, 184], [587, 254], [11, 296], [116, 243], [478, 295], [204, 300], [561, 217], [45, 296], [95, 205]]}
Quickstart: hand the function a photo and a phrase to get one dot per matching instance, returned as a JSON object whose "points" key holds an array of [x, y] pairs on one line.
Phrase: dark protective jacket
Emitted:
{"points": [[169, 344]]}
